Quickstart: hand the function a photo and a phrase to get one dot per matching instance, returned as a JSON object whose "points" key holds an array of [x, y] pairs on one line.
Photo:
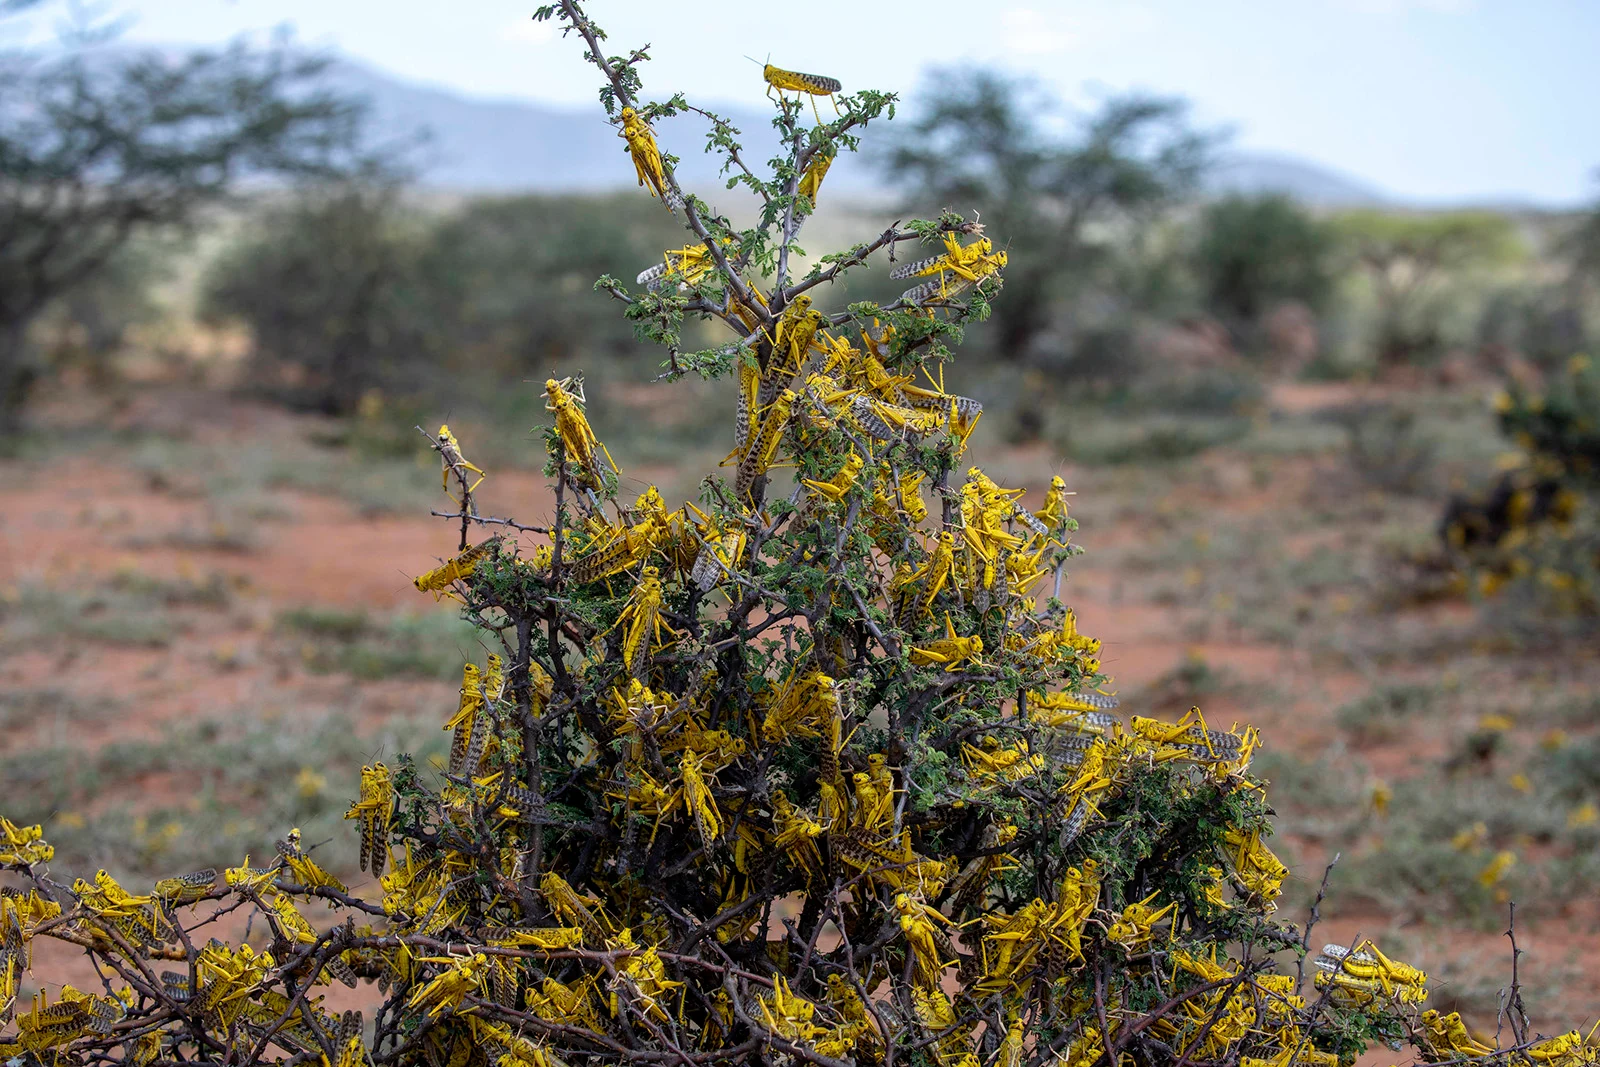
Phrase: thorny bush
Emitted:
{"points": [[806, 778]]}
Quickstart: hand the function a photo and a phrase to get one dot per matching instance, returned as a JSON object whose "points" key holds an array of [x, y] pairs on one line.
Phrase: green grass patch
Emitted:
{"points": [[130, 608], [1160, 438], [240, 785], [433, 645], [1385, 712], [1304, 786], [49, 712], [374, 485]]}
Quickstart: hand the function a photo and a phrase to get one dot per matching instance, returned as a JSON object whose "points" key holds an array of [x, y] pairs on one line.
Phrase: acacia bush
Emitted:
{"points": [[100, 148], [771, 777]]}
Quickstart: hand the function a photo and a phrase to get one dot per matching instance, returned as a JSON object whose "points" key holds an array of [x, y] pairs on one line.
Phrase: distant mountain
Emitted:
{"points": [[1311, 183], [502, 146]]}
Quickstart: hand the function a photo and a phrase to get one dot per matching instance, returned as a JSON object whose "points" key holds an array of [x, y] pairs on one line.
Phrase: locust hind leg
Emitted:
{"points": [[475, 470]]}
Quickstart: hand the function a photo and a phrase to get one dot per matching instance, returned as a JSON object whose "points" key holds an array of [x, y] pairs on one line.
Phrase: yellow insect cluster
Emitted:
{"points": [[958, 268], [1533, 526], [529, 967]]}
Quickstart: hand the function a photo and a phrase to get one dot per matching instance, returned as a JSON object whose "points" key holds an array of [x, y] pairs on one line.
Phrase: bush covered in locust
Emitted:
{"points": [[1535, 532], [824, 776]]}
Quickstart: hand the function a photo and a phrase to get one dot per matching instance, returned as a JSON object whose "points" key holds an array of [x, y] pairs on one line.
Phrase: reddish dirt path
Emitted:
{"points": [[89, 519]]}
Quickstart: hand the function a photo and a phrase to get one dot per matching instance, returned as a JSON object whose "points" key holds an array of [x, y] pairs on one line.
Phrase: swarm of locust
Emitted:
{"points": [[817, 769]]}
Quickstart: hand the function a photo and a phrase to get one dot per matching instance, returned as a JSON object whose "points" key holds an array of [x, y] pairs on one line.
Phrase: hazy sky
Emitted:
{"points": [[1430, 99]]}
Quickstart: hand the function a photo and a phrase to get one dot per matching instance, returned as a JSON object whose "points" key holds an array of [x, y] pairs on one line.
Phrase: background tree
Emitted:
{"points": [[1254, 251], [330, 287], [97, 146], [1058, 204], [356, 286], [1408, 259], [1580, 246], [92, 322]]}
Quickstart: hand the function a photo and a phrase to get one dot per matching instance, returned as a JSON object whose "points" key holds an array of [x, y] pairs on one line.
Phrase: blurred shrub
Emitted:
{"points": [[512, 278], [1385, 448], [1572, 772], [1157, 438], [1256, 251], [1579, 247], [351, 294], [329, 286], [1202, 391], [425, 646], [264, 770], [1303, 784], [1539, 322], [1161, 414], [1500, 519]]}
